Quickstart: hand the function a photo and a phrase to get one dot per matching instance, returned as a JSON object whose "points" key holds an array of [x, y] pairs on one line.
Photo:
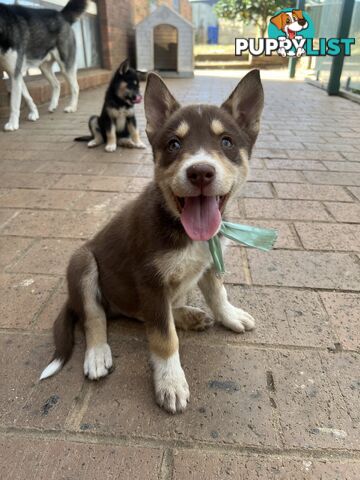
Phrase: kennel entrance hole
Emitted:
{"points": [[165, 48]]}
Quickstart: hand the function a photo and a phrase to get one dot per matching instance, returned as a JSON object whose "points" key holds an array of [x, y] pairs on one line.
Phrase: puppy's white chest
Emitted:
{"points": [[182, 269]]}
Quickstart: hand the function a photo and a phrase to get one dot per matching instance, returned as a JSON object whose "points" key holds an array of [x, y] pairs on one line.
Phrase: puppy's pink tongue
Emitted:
{"points": [[138, 99], [201, 217]]}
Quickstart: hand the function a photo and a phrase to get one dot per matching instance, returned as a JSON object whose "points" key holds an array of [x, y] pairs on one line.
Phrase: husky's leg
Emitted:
{"points": [[47, 71]]}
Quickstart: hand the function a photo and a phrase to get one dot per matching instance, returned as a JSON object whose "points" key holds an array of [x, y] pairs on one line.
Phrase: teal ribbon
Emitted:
{"points": [[260, 238]]}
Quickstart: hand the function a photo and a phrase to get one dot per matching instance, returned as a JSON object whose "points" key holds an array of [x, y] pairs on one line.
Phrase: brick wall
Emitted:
{"points": [[116, 31], [185, 10]]}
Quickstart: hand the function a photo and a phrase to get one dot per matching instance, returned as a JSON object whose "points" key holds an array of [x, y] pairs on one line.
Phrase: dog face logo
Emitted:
{"points": [[291, 23]]}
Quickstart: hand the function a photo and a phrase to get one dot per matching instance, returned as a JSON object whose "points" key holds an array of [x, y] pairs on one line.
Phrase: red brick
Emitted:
{"points": [[11, 248], [256, 190], [344, 312], [312, 192], [62, 224], [345, 212], [39, 199], [329, 236], [204, 465], [73, 167], [343, 166], [285, 210], [304, 269], [49, 256], [28, 180], [22, 298], [102, 201], [276, 176], [91, 182], [6, 215], [312, 408], [333, 178], [355, 191], [294, 164], [28, 457]]}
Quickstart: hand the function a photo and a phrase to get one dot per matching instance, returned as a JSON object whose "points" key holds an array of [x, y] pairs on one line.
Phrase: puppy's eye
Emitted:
{"points": [[174, 145], [288, 20], [226, 142]]}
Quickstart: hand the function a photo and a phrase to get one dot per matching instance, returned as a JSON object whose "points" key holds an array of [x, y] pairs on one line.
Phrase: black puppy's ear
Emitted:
{"points": [[159, 104], [246, 104], [124, 67]]}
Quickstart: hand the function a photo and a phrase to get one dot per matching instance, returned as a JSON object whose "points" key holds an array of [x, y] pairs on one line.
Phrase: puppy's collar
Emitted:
{"points": [[260, 238]]}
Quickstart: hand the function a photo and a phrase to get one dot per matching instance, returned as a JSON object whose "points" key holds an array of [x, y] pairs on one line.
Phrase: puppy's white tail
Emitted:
{"points": [[64, 341], [54, 367]]}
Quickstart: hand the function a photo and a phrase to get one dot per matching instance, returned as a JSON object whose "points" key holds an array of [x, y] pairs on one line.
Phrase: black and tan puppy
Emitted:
{"points": [[145, 261], [116, 124]]}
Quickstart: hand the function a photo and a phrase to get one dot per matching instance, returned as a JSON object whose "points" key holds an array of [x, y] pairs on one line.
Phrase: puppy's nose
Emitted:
{"points": [[301, 21], [201, 174]]}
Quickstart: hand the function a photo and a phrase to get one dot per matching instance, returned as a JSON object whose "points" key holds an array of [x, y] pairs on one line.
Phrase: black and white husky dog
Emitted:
{"points": [[38, 37], [116, 125]]}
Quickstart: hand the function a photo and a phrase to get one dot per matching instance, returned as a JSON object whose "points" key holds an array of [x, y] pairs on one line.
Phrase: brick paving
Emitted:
{"points": [[281, 402]]}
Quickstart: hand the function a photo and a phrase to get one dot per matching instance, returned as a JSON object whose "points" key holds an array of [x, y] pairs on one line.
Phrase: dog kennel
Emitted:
{"points": [[164, 42]]}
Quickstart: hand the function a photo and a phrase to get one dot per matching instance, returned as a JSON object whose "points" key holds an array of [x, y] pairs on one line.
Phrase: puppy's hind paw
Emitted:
{"points": [[191, 318], [236, 319]]}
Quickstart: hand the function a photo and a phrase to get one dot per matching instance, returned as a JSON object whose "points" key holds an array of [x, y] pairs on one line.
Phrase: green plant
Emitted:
{"points": [[250, 11]]}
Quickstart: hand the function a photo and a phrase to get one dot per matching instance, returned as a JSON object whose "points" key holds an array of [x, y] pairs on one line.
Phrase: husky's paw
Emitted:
{"points": [[110, 148], [52, 108], [70, 109], [33, 116], [191, 318], [171, 388], [236, 319], [93, 143], [98, 361], [11, 126]]}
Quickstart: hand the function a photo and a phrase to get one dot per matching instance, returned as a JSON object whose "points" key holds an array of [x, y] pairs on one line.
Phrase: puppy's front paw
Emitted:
{"points": [[236, 319], [98, 361], [33, 116], [171, 388], [11, 126], [110, 148]]}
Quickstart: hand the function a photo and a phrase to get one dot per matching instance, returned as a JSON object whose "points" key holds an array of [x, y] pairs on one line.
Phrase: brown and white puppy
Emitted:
{"points": [[151, 254], [291, 23]]}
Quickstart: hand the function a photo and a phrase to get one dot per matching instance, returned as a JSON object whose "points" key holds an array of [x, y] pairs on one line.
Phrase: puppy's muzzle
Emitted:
{"points": [[201, 175]]}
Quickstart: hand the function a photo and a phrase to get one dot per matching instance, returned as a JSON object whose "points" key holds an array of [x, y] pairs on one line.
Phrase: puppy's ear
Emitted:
{"points": [[124, 67], [298, 13], [159, 104], [246, 104], [278, 20]]}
